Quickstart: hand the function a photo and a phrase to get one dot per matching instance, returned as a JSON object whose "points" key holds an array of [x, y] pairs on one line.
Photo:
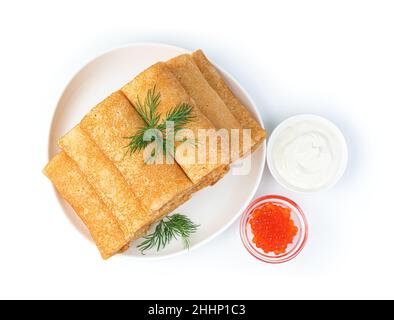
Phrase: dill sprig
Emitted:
{"points": [[169, 228], [148, 109], [180, 115], [137, 142]]}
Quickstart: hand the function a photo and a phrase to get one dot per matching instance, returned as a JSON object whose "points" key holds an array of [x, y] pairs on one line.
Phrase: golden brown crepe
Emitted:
{"points": [[207, 99], [74, 187], [172, 93], [108, 182], [216, 81], [159, 187]]}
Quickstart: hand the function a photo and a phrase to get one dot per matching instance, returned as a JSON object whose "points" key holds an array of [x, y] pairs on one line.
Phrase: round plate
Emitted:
{"points": [[214, 208]]}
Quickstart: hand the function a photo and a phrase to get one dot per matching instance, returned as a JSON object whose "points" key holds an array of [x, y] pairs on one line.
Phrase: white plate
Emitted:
{"points": [[214, 208]]}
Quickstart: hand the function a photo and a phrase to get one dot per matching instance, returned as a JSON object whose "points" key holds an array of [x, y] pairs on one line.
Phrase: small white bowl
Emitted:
{"points": [[328, 125]]}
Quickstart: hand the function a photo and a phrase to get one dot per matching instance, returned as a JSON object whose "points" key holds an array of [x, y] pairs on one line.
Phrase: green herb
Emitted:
{"points": [[169, 228], [180, 115]]}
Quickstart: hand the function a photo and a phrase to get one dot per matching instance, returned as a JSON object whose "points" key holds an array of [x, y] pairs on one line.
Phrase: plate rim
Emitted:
{"points": [[262, 148]]}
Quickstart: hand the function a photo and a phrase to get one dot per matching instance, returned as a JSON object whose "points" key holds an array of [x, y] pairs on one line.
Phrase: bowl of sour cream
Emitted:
{"points": [[307, 153]]}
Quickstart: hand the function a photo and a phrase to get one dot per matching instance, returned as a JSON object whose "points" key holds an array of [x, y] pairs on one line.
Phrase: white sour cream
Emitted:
{"points": [[307, 153]]}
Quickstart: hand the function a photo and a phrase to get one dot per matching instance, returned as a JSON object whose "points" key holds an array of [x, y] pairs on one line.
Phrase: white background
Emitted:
{"points": [[332, 58]]}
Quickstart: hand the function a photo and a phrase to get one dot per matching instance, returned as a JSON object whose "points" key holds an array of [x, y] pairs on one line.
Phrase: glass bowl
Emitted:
{"points": [[292, 249]]}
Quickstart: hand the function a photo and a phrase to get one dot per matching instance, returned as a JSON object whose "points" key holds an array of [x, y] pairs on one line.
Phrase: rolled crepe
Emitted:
{"points": [[207, 99], [216, 81], [108, 182], [159, 187], [76, 190], [172, 94]]}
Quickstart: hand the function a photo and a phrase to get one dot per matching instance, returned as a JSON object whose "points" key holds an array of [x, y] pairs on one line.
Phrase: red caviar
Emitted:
{"points": [[272, 227]]}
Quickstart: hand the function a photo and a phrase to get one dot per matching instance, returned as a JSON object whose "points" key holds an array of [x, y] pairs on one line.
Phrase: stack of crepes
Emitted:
{"points": [[119, 197]]}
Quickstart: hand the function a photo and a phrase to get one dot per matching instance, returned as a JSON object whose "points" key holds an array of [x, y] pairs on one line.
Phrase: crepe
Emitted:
{"points": [[172, 94], [108, 182], [159, 187], [207, 100], [74, 187], [216, 81]]}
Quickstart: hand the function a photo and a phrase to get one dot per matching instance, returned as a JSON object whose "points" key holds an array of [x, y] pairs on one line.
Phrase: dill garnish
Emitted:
{"points": [[169, 228], [179, 115]]}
